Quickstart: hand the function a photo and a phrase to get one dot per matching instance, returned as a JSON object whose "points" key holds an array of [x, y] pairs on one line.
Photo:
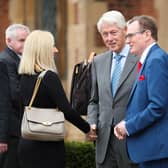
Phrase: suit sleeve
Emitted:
{"points": [[58, 96], [4, 102], [92, 112]]}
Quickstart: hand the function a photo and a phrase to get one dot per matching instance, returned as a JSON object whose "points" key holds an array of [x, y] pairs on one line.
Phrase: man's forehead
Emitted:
{"points": [[110, 27], [133, 26]]}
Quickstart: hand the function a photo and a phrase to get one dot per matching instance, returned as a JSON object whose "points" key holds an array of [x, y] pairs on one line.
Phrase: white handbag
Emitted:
{"points": [[43, 124]]}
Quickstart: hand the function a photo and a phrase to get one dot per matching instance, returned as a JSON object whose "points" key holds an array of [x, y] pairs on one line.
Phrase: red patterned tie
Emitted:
{"points": [[139, 66]]}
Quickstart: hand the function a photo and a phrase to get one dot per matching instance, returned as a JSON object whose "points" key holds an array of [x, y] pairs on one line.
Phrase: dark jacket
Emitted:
{"points": [[50, 95], [81, 87], [4, 102], [11, 107]]}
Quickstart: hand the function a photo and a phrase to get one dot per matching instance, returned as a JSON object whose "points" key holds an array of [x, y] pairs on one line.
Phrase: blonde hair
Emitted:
{"points": [[37, 52]]}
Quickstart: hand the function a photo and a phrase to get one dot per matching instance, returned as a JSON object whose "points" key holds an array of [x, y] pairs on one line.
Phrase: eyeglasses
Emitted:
{"points": [[130, 35]]}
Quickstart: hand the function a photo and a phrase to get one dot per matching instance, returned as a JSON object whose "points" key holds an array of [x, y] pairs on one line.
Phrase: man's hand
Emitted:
{"points": [[120, 130], [92, 136], [3, 147]]}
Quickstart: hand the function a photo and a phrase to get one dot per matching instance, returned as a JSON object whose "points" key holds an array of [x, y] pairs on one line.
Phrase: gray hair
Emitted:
{"points": [[111, 17], [11, 30]]}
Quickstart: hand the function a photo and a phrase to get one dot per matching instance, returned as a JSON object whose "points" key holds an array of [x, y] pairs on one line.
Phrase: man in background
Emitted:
{"points": [[10, 107], [113, 74]]}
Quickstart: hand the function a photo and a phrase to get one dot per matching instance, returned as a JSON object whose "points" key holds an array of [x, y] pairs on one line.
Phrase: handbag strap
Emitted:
{"points": [[39, 78]]}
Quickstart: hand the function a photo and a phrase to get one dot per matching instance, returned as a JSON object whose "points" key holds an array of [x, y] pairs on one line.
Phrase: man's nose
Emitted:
{"points": [[127, 40], [110, 36]]}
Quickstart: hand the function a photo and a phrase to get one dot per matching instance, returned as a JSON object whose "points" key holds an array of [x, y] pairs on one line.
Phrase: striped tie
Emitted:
{"points": [[116, 73]]}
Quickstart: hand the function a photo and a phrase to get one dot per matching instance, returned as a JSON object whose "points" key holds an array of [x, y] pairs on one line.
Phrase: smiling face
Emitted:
{"points": [[113, 37]]}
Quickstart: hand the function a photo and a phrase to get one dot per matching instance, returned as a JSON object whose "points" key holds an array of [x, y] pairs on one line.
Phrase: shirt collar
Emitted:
{"points": [[145, 53], [14, 52], [124, 52]]}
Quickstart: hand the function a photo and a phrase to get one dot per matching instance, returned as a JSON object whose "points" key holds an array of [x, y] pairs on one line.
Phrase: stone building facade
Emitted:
{"points": [[73, 23]]}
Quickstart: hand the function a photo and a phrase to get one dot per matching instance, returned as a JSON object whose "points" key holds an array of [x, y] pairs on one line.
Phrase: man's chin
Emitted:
{"points": [[114, 49]]}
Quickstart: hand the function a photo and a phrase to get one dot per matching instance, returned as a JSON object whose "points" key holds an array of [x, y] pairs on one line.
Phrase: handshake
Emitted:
{"points": [[92, 135], [120, 130]]}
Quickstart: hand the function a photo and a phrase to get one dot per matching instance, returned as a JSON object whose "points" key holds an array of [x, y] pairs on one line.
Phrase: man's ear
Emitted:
{"points": [[8, 40], [148, 34]]}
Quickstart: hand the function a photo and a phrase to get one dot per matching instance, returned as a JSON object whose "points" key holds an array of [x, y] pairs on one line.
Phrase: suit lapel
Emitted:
{"points": [[140, 72], [130, 63], [107, 71]]}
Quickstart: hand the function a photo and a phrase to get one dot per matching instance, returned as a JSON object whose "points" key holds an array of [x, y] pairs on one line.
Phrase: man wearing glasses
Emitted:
{"points": [[147, 112]]}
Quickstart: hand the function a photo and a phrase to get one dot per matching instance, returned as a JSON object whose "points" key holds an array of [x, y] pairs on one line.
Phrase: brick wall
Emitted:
{"points": [[131, 8], [4, 21]]}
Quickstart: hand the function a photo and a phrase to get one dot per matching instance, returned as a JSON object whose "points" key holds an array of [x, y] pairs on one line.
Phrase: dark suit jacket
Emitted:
{"points": [[11, 61], [5, 103], [147, 113]]}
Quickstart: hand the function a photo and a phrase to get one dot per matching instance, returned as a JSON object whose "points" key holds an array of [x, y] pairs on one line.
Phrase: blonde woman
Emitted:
{"points": [[38, 56]]}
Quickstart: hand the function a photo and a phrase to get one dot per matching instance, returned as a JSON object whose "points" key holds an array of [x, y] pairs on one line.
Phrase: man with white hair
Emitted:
{"points": [[10, 107], [113, 74]]}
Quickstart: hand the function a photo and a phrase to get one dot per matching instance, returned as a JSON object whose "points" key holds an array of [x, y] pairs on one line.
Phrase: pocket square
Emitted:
{"points": [[141, 77]]}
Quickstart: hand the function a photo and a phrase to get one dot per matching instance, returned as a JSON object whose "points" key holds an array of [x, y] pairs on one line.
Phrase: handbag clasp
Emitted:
{"points": [[47, 123]]}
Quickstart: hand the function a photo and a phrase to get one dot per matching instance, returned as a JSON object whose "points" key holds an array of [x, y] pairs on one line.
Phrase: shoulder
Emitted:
{"points": [[3, 56], [3, 67], [9, 56], [157, 58], [158, 53], [5, 53], [133, 58], [51, 81], [102, 56], [156, 50], [51, 76]]}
